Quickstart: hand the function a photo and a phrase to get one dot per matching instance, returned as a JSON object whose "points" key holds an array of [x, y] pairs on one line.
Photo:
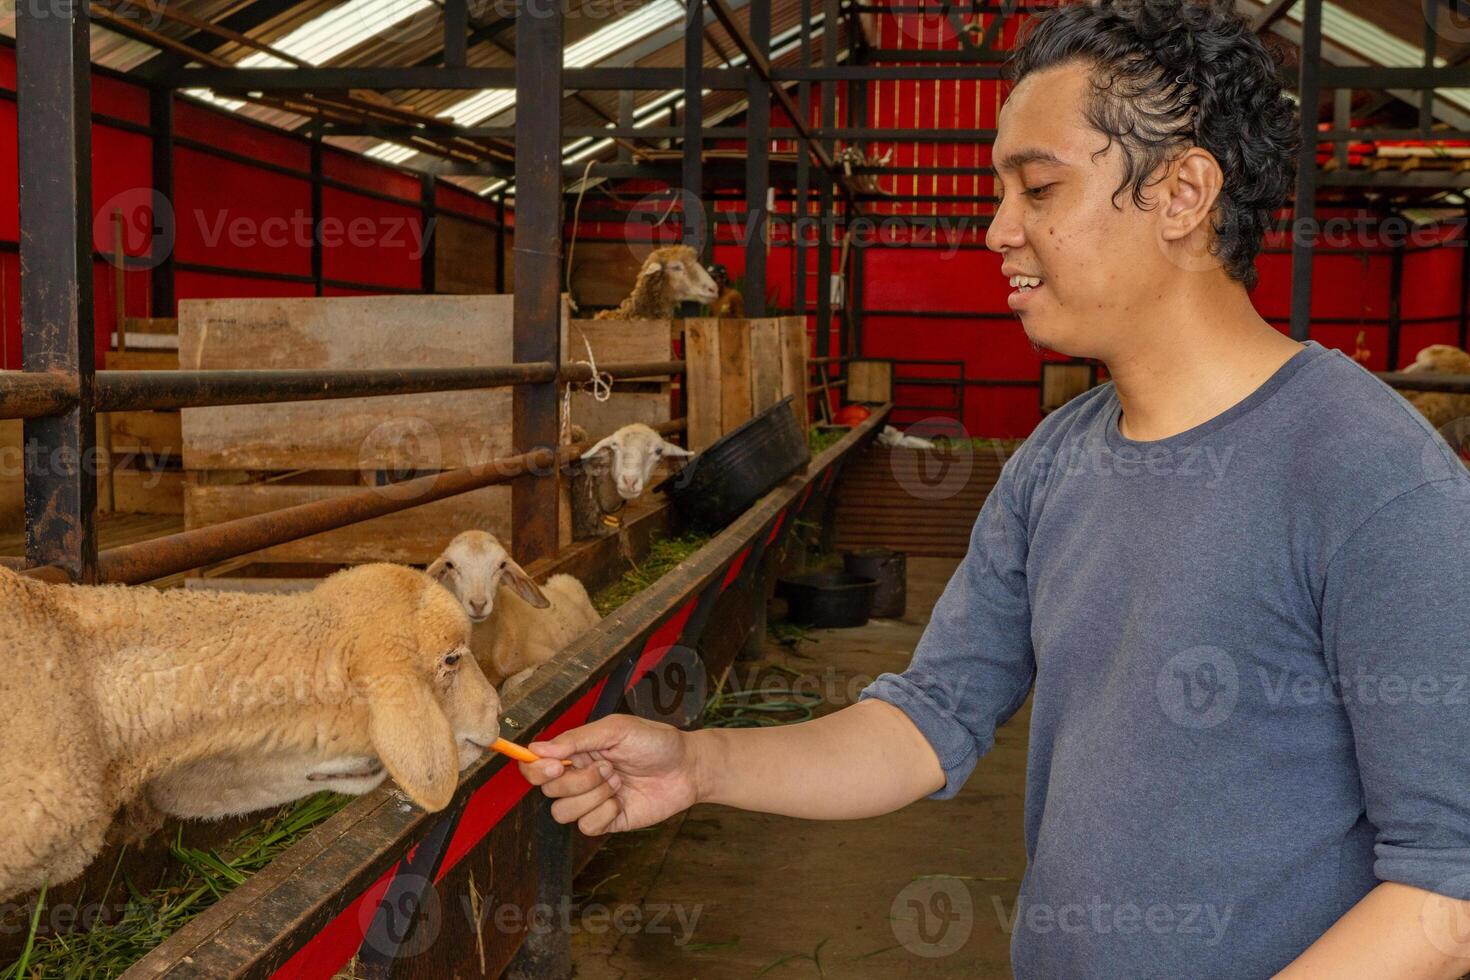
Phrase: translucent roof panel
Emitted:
{"points": [[340, 29]]}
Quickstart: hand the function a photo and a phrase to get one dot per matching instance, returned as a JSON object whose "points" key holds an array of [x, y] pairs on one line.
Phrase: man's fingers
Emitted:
{"points": [[600, 818], [576, 807], [591, 737], [575, 782]]}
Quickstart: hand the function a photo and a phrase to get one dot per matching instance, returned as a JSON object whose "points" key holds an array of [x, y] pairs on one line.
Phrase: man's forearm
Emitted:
{"points": [[1395, 932], [864, 760]]}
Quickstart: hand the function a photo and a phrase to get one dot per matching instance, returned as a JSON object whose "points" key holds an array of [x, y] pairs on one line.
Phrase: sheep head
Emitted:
{"points": [[474, 566], [1440, 358], [430, 710], [684, 279], [636, 449]]}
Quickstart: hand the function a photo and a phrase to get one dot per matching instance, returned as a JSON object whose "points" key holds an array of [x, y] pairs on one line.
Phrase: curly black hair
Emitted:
{"points": [[1170, 74]]}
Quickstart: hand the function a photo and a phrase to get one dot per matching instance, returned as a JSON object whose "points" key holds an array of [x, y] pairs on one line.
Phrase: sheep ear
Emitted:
{"points": [[412, 736], [672, 450], [522, 585], [438, 569], [603, 444], [652, 267]]}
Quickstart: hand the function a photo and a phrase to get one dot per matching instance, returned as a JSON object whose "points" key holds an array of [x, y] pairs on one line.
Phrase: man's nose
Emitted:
{"points": [[1004, 231]]}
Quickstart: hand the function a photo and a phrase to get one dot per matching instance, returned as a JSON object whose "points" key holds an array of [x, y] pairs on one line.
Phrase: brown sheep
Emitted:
{"points": [[669, 276]]}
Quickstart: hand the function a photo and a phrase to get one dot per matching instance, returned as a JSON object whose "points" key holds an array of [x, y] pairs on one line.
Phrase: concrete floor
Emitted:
{"points": [[719, 893]]}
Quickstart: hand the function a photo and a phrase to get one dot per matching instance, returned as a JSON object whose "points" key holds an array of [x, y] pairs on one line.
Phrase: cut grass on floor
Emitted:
{"points": [[663, 555], [195, 880]]}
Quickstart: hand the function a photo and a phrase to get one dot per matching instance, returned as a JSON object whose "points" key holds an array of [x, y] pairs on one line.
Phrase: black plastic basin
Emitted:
{"points": [[890, 570], [740, 468], [828, 599]]}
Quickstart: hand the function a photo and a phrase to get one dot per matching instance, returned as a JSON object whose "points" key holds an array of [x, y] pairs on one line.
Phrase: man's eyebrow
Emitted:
{"points": [[1020, 158]]}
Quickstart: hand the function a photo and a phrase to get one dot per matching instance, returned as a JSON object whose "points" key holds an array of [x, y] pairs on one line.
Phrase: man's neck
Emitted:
{"points": [[1192, 361]]}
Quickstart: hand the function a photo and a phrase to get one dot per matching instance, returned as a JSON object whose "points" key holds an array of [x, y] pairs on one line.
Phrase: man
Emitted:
{"points": [[1234, 580]]}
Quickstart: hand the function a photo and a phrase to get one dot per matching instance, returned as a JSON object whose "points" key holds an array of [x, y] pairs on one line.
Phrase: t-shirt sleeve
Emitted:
{"points": [[973, 666], [1396, 632]]}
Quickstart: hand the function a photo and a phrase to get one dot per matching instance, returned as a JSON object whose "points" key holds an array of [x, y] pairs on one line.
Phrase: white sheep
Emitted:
{"points": [[636, 450], [214, 704], [511, 639], [1441, 408]]}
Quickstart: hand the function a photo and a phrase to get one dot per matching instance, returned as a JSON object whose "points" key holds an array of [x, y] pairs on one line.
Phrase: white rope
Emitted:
{"points": [[600, 384], [576, 219]]}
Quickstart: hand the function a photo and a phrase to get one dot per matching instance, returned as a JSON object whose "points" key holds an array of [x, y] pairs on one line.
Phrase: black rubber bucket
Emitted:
{"points": [[890, 570], [828, 599], [743, 466]]}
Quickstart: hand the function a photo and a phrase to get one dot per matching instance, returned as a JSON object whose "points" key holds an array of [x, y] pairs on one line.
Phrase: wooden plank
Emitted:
{"points": [[870, 381], [603, 273], [438, 430], [140, 360], [612, 341], [735, 400], [765, 363], [794, 351], [151, 324], [702, 374], [137, 491], [464, 257], [157, 433], [12, 477], [413, 536]]}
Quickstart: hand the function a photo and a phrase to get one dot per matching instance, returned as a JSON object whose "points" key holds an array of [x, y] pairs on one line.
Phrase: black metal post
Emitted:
{"points": [[1303, 233], [537, 316], [500, 242], [317, 263], [456, 32], [625, 123], [1395, 305], [857, 109], [757, 164], [692, 171], [426, 215], [161, 121], [827, 224], [53, 110], [1464, 331], [546, 953], [803, 168]]}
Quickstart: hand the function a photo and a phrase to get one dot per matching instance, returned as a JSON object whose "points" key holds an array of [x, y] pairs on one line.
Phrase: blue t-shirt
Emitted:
{"points": [[1248, 648]]}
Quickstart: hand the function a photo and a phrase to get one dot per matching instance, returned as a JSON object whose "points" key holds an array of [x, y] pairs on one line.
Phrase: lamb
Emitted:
{"points": [[669, 276], [1440, 408], [635, 450], [215, 704], [511, 639]]}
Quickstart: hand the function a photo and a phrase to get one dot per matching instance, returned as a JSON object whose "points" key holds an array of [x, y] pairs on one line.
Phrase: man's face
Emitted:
{"points": [[1100, 263]]}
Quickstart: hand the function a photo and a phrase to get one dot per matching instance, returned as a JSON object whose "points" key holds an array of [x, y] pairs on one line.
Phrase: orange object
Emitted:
{"points": [[518, 753], [851, 415]]}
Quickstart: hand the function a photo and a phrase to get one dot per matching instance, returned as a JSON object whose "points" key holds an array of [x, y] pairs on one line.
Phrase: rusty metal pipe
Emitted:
{"points": [[1458, 384], [35, 394], [145, 561]]}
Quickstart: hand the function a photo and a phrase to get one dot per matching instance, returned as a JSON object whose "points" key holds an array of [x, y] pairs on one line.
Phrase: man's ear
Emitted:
{"points": [[1191, 192], [516, 579], [411, 734]]}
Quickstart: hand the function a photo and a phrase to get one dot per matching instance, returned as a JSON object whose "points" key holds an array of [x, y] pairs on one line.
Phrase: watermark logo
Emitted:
{"points": [[407, 922], [1444, 458], [1449, 18], [673, 691], [1198, 688], [148, 224], [933, 917], [939, 473], [398, 450]]}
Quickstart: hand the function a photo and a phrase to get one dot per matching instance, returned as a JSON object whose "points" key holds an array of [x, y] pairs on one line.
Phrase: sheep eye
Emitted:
{"points": [[502, 564], [452, 660], [449, 566]]}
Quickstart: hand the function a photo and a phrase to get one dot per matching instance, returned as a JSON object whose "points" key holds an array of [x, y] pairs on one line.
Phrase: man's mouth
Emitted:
{"points": [[1025, 283]]}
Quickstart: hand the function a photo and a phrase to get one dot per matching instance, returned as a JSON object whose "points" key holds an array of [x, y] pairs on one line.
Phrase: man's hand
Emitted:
{"points": [[626, 773]]}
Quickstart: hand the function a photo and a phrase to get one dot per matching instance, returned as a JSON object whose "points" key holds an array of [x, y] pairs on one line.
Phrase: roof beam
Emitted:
{"points": [[436, 78]]}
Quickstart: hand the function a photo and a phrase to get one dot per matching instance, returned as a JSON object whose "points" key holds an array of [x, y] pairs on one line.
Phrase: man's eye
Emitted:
{"points": [[1036, 193]]}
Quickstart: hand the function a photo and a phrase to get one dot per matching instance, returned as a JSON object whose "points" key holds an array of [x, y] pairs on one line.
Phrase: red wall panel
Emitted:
{"points": [[240, 217]]}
